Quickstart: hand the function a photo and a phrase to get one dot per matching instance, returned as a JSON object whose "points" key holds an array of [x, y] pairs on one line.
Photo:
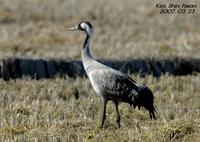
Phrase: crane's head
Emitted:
{"points": [[83, 26]]}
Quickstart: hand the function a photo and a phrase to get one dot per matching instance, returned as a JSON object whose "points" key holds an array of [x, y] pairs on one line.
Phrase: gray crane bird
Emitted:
{"points": [[110, 84]]}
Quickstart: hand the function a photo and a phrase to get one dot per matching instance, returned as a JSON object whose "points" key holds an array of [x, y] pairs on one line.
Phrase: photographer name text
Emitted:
{"points": [[176, 8]]}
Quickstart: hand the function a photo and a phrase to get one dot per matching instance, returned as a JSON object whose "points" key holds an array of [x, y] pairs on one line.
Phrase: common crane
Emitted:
{"points": [[110, 84]]}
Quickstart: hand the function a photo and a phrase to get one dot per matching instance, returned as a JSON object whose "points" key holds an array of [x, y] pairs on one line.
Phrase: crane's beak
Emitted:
{"points": [[73, 28]]}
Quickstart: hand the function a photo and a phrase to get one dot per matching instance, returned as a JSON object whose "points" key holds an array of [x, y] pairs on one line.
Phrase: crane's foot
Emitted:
{"points": [[101, 126], [118, 125]]}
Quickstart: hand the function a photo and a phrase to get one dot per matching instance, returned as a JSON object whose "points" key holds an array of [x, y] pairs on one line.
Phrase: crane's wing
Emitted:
{"points": [[116, 85]]}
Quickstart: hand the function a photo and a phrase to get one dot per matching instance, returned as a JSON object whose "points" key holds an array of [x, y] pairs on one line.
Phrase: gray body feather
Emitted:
{"points": [[112, 84]]}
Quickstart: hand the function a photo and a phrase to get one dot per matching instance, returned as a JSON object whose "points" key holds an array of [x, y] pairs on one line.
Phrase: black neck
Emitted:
{"points": [[86, 42]]}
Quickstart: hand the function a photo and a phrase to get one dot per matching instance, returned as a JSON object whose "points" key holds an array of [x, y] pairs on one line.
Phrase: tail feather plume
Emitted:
{"points": [[145, 99]]}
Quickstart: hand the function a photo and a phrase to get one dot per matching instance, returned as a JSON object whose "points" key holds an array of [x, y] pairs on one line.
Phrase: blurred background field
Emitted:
{"points": [[67, 109], [128, 29]]}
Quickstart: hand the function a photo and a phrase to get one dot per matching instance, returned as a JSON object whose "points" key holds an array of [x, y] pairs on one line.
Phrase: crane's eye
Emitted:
{"points": [[80, 27]]}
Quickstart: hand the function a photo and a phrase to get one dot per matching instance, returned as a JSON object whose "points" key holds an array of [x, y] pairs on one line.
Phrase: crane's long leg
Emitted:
{"points": [[104, 103], [116, 103]]}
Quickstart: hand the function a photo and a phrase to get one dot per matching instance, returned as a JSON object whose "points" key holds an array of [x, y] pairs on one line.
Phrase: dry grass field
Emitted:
{"points": [[48, 109]]}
